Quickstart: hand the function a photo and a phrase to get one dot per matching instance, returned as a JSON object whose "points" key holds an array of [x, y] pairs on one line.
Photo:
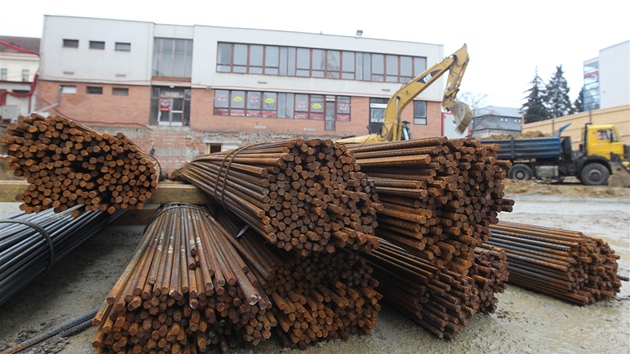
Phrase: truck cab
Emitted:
{"points": [[602, 140]]}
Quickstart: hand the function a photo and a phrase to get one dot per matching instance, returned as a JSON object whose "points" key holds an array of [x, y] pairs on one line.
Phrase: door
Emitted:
{"points": [[171, 108], [330, 116]]}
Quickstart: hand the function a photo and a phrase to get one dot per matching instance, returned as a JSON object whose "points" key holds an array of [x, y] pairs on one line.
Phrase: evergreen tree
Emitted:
{"points": [[578, 104], [556, 96], [534, 109]]}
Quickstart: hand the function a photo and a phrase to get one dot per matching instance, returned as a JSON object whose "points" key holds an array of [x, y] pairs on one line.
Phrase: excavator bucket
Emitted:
{"points": [[463, 115]]}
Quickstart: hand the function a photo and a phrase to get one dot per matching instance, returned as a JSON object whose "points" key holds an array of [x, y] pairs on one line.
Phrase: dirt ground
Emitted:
{"points": [[525, 322]]}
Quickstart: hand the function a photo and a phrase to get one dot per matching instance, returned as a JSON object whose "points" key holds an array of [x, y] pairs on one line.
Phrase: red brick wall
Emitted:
{"points": [[174, 146], [202, 118], [434, 121], [97, 109]]}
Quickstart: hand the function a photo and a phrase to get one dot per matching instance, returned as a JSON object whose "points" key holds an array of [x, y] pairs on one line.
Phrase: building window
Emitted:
{"points": [[281, 105], [170, 106], [120, 91], [70, 90], [172, 57], [71, 43], [377, 114], [420, 112], [97, 45], [3, 74], [122, 47], [25, 75], [212, 148], [320, 63], [94, 90]]}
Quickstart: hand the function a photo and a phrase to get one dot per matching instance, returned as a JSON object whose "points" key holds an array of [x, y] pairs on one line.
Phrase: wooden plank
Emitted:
{"points": [[168, 192]]}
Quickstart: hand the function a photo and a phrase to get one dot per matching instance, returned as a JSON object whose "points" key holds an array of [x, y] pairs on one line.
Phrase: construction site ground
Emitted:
{"points": [[525, 322]]}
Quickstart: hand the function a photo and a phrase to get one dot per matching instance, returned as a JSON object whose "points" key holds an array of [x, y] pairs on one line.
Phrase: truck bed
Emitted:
{"points": [[533, 148]]}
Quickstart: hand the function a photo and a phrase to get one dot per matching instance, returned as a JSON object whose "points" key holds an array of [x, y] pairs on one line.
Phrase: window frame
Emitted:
{"points": [[70, 43], [94, 90], [97, 45], [279, 105], [122, 46], [303, 62], [172, 57], [120, 91], [419, 119]]}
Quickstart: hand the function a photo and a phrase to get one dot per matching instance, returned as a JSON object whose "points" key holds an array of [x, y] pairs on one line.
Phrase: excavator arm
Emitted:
{"points": [[392, 129]]}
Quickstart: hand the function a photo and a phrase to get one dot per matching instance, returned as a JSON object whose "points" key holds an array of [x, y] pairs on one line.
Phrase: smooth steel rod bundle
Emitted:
{"points": [[439, 195], [186, 289], [67, 164], [318, 297], [565, 264], [299, 194], [30, 244]]}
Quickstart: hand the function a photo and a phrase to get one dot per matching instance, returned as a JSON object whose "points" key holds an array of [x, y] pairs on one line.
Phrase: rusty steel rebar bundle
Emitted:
{"points": [[67, 164], [318, 297], [439, 195], [299, 194], [184, 290], [437, 298], [490, 274], [564, 264], [30, 244]]}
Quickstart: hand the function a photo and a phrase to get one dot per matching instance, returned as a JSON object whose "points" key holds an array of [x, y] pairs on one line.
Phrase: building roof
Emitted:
{"points": [[497, 123], [499, 112], [28, 43]]}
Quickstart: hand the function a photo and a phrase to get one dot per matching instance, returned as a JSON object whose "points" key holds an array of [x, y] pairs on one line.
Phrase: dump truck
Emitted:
{"points": [[600, 155]]}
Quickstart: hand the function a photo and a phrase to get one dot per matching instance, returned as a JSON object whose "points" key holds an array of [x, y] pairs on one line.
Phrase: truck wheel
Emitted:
{"points": [[595, 174], [520, 172]]}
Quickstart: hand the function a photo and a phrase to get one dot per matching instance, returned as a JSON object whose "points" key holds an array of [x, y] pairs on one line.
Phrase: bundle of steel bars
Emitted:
{"points": [[185, 289], [490, 274], [318, 297], [67, 164], [31, 243], [299, 194], [437, 298], [565, 264], [439, 195]]}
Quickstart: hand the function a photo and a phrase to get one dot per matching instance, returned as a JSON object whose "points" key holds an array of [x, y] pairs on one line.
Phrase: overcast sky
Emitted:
{"points": [[507, 40]]}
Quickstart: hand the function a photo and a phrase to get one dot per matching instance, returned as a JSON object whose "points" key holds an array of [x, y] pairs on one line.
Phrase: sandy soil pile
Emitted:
{"points": [[527, 135], [566, 189]]}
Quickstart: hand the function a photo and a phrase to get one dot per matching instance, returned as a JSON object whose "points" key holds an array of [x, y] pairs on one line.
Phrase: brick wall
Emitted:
{"points": [[106, 108], [174, 146]]}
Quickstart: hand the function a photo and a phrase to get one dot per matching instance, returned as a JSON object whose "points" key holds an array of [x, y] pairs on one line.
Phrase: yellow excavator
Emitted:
{"points": [[394, 129]]}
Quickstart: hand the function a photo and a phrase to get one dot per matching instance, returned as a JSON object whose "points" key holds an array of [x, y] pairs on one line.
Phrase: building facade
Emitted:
{"points": [[607, 78], [19, 62], [492, 120], [187, 90]]}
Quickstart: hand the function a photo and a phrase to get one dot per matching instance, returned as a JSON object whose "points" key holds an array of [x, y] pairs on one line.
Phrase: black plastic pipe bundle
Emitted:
{"points": [[30, 244]]}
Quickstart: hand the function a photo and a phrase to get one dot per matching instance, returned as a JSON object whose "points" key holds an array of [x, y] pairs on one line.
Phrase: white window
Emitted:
{"points": [[420, 112]]}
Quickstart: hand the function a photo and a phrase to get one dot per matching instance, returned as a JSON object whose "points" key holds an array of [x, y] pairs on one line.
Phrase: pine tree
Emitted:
{"points": [[534, 109], [556, 97], [578, 104]]}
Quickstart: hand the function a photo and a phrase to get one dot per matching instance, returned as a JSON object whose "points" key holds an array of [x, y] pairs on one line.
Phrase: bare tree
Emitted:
{"points": [[475, 101]]}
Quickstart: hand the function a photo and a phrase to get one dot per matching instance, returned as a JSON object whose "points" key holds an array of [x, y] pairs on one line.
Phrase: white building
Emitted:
{"points": [[209, 88], [19, 61], [607, 78]]}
